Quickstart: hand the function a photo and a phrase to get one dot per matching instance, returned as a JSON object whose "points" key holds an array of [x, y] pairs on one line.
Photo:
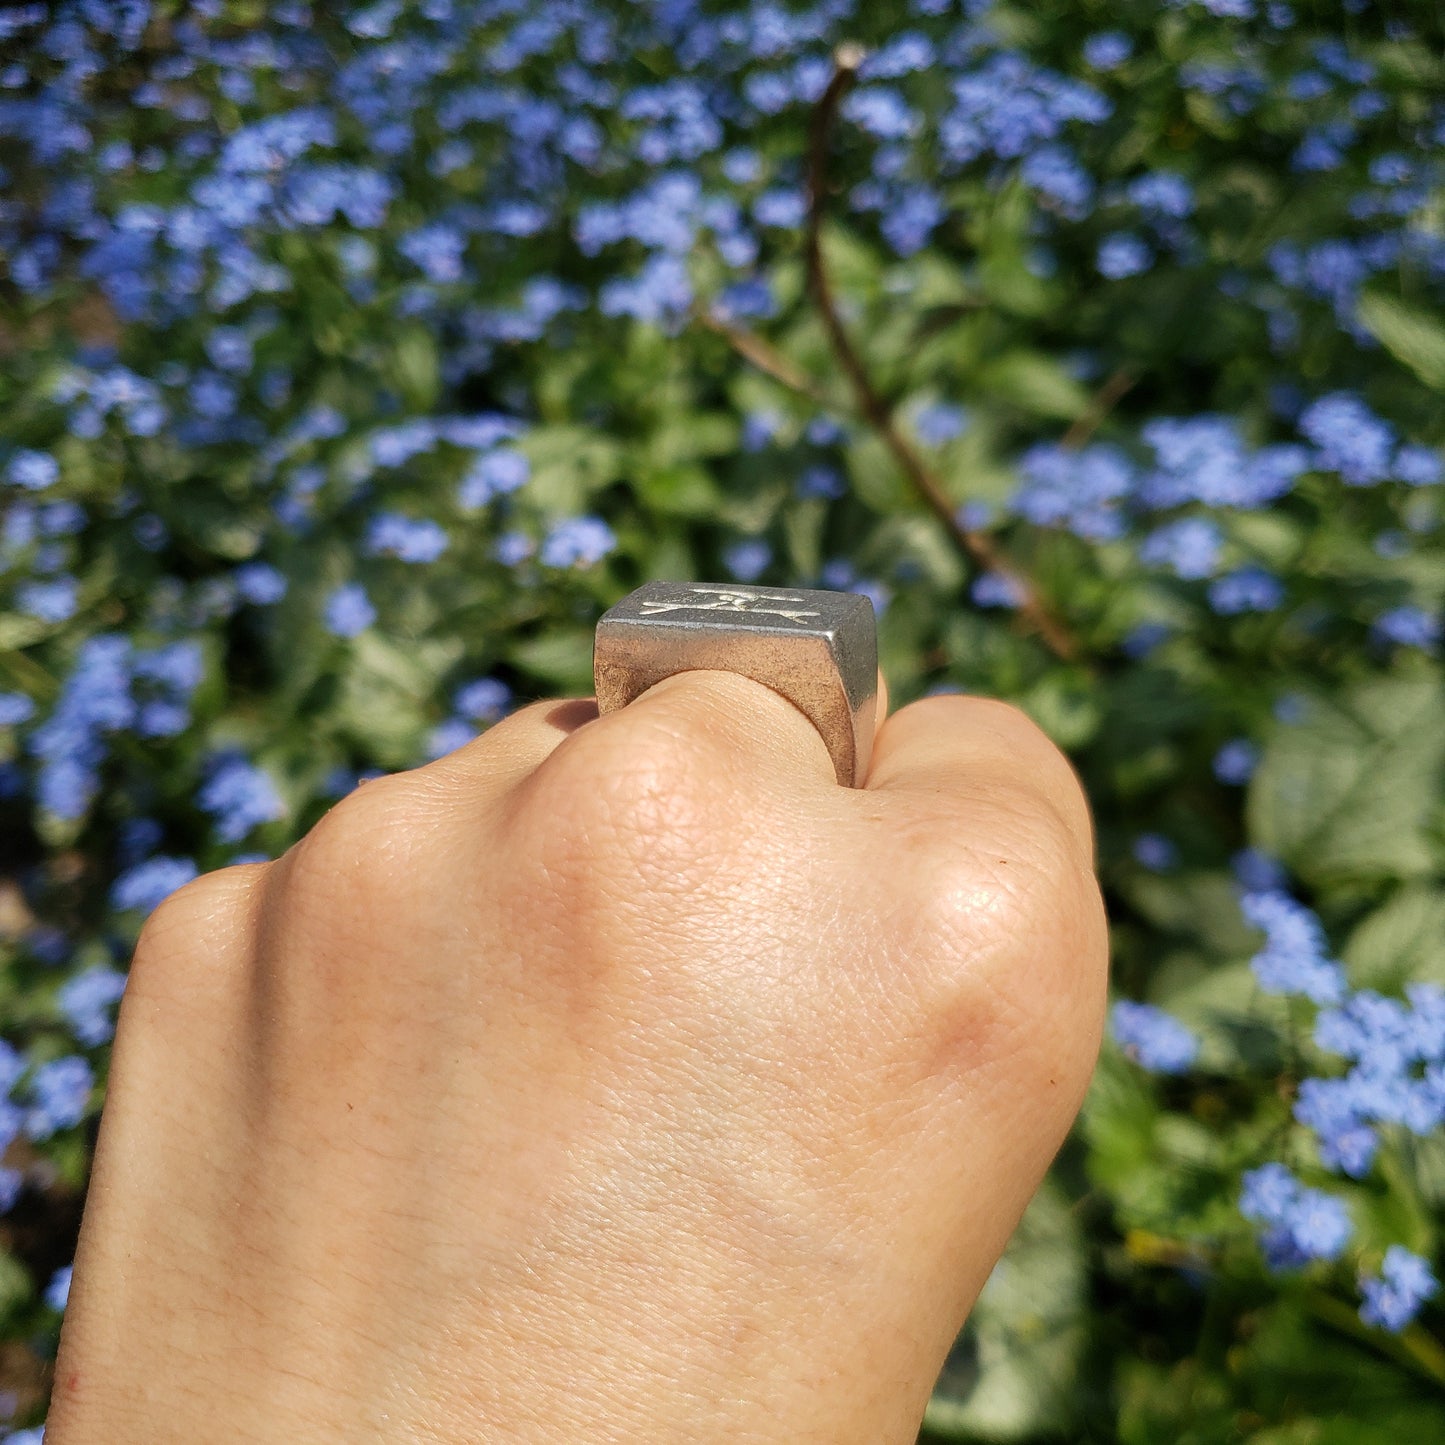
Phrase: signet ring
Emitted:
{"points": [[818, 649]]}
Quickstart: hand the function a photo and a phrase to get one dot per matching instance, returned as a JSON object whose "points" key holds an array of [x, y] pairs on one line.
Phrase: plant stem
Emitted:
{"points": [[762, 354], [874, 409], [1100, 405]]}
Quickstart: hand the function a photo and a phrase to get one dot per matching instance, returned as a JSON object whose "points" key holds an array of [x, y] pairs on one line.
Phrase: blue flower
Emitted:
{"points": [[1009, 107], [1409, 626], [577, 542], [1222, 9], [824, 430], [138, 838], [748, 560], [882, 112], [1107, 50], [161, 719], [240, 796], [513, 548], [1300, 1224], [57, 1095], [86, 999], [820, 481], [1236, 761], [1189, 548], [349, 610], [1249, 589], [1079, 489], [57, 1292], [1155, 852], [1340, 1118], [1155, 1040], [1162, 194], [1394, 1297], [741, 300], [1054, 171], [1418, 466], [1349, 439], [660, 293], [1295, 958], [484, 700], [409, 539], [260, 583], [1204, 459], [910, 219], [177, 667], [12, 1066], [48, 601], [15, 708], [32, 471], [1123, 254], [493, 474], [146, 884], [95, 700], [436, 251], [448, 736], [784, 209], [1144, 637], [995, 589]]}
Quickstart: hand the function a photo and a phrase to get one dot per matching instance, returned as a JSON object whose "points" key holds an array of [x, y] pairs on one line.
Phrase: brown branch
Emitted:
{"points": [[762, 354], [875, 410], [1100, 405]]}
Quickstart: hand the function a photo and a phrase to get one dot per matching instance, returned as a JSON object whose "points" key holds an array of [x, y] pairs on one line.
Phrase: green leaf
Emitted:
{"points": [[1013, 1372], [569, 464], [1038, 384], [874, 476], [1402, 941], [677, 490], [560, 657], [386, 696], [416, 369], [1408, 334], [1348, 793]]}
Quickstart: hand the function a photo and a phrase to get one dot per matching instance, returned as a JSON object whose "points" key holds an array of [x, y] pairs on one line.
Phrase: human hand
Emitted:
{"points": [[615, 1078]]}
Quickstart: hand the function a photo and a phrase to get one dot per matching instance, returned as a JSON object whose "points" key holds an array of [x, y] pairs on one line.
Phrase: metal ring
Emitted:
{"points": [[818, 649]]}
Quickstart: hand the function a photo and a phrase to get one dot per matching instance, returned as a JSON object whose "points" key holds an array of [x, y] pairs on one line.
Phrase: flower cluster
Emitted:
{"points": [[357, 357]]}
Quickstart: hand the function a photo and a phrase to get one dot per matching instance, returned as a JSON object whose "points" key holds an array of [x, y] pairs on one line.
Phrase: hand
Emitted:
{"points": [[610, 1079]]}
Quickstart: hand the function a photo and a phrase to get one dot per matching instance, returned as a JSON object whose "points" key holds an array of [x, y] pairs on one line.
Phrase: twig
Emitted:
{"points": [[875, 410], [1100, 405], [762, 354]]}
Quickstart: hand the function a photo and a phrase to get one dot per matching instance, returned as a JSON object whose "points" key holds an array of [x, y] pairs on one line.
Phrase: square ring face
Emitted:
{"points": [[818, 648]]}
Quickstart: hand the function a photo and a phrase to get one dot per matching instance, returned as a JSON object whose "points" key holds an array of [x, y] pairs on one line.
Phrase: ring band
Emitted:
{"points": [[818, 649]]}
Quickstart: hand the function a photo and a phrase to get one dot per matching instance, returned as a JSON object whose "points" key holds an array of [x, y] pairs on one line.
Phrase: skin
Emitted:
{"points": [[609, 1079]]}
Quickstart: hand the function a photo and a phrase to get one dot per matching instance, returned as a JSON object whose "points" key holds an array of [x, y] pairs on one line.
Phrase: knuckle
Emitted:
{"points": [[1010, 941], [1038, 768], [649, 782], [369, 845], [210, 916]]}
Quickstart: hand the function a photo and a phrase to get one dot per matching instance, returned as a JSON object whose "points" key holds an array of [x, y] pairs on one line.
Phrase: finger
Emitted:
{"points": [[517, 745], [754, 731], [953, 744]]}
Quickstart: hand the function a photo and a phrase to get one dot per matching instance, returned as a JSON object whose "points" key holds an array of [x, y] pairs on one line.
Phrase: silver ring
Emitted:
{"points": [[818, 649]]}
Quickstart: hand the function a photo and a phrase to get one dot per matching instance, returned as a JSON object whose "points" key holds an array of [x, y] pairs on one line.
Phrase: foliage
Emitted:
{"points": [[355, 359]]}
